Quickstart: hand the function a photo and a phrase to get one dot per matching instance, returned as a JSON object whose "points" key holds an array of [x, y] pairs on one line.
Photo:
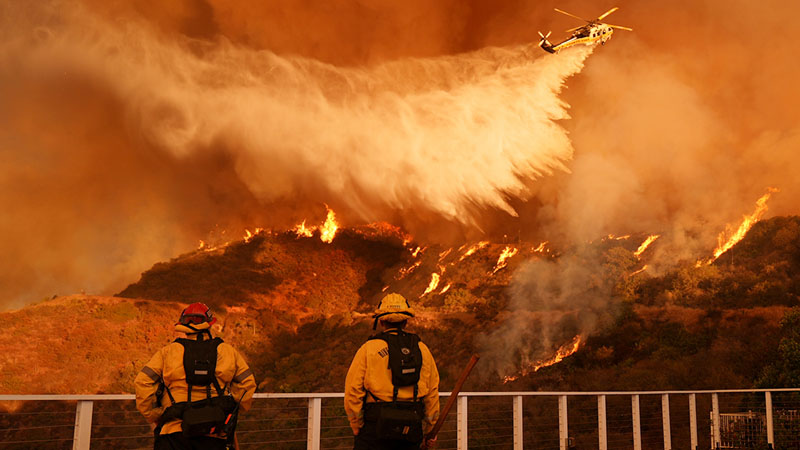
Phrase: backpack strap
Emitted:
{"points": [[169, 393], [211, 376]]}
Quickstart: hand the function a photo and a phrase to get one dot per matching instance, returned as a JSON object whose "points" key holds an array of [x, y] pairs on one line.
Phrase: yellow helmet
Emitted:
{"points": [[393, 308]]}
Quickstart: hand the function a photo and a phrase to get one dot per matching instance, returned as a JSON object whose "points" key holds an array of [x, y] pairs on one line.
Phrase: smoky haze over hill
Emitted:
{"points": [[130, 130]]}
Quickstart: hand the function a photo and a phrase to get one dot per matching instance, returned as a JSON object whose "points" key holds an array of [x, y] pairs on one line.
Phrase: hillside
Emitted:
{"points": [[298, 308]]}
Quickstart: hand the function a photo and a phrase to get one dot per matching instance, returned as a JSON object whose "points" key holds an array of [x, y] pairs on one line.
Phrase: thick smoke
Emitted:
{"points": [[131, 123], [552, 302]]}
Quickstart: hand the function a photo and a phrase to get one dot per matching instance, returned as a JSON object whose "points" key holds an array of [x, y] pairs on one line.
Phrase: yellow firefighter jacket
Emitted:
{"points": [[232, 372], [370, 371]]}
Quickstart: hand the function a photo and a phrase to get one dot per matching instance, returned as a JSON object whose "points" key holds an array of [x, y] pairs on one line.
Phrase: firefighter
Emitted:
{"points": [[213, 369], [391, 393]]}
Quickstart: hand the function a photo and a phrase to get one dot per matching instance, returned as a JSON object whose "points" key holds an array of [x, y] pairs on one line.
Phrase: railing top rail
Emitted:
{"points": [[275, 395]]}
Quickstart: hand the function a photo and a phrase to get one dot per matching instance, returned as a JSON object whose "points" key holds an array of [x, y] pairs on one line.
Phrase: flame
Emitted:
{"points": [[248, 236], [432, 285], [474, 249], [446, 288], [202, 245], [611, 237], [562, 352], [541, 247], [302, 231], [444, 254], [328, 230], [638, 271], [650, 239], [502, 261], [416, 252], [726, 244], [403, 272]]}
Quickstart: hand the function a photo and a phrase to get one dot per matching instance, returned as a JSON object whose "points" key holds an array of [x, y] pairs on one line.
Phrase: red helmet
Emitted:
{"points": [[196, 313]]}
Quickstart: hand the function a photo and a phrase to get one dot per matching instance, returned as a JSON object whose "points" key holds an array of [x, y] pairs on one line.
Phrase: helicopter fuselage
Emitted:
{"points": [[588, 35]]}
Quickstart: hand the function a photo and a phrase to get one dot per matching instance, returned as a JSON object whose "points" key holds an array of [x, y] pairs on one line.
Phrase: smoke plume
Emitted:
{"points": [[114, 126]]}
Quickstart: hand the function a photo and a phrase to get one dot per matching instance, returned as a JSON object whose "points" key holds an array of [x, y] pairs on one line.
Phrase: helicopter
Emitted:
{"points": [[594, 31]]}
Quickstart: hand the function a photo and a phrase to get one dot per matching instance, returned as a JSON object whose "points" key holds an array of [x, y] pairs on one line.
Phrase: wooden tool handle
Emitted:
{"points": [[453, 396]]}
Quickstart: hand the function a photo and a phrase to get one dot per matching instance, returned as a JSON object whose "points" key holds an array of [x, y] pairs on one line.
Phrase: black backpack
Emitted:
{"points": [[208, 415], [400, 421]]}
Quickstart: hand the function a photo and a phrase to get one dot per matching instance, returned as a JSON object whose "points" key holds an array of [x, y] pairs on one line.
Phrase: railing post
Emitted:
{"points": [[637, 423], [83, 425], [463, 423], [716, 441], [518, 436], [314, 422], [602, 431], [563, 425], [693, 420], [770, 430], [665, 421]]}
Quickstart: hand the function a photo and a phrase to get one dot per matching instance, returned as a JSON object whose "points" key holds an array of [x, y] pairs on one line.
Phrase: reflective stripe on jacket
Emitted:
{"points": [[370, 371], [167, 363]]}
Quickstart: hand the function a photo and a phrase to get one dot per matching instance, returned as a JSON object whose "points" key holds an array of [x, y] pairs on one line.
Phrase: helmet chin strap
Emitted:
{"points": [[189, 329]]}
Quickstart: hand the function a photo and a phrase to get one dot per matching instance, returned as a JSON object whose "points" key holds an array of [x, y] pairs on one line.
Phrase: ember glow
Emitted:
{"points": [[562, 352], [650, 239], [541, 248], [727, 240]]}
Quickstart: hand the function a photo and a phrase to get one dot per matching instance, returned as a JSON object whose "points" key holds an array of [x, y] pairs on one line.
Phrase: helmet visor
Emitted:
{"points": [[196, 319]]}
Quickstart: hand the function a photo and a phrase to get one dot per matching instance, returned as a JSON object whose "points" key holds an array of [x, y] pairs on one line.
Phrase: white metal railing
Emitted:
{"points": [[624, 424]]}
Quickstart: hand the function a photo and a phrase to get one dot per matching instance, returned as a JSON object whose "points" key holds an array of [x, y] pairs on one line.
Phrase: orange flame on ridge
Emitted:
{"points": [[562, 352], [723, 244], [407, 270], [302, 231], [650, 239], [502, 261], [473, 249], [432, 285], [328, 230]]}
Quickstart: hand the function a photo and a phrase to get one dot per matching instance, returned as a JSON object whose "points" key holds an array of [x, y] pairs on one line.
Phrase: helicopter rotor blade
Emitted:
{"points": [[572, 15], [620, 27], [605, 14], [573, 29]]}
